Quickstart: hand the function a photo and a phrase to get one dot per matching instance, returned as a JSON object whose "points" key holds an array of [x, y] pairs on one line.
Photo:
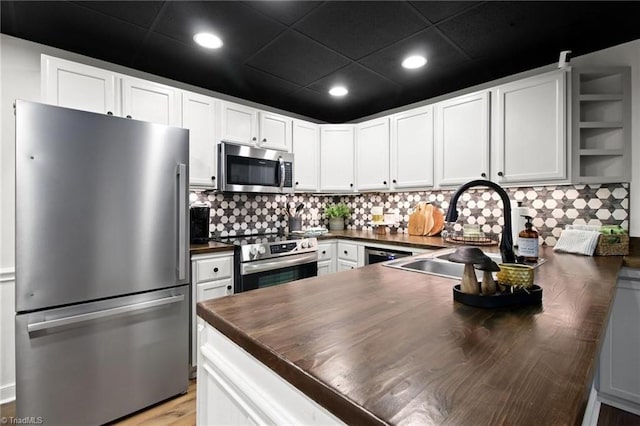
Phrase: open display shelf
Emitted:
{"points": [[601, 124]]}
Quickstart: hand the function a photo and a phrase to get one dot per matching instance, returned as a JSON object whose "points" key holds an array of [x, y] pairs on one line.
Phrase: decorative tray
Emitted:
{"points": [[533, 295], [471, 240]]}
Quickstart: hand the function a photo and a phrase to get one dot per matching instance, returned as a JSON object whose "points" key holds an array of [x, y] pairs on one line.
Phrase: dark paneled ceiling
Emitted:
{"points": [[287, 54]]}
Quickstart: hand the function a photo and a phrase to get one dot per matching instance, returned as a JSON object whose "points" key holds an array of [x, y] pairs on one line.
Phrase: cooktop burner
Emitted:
{"points": [[241, 240]]}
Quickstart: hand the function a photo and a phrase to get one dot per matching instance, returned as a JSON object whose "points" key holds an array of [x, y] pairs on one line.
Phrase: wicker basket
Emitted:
{"points": [[516, 275], [612, 245]]}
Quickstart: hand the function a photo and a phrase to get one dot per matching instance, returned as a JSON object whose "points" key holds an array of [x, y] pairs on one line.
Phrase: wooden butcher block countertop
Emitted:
{"points": [[380, 345]]}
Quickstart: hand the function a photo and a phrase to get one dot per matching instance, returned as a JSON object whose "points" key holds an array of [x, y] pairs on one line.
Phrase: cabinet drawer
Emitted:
{"points": [[213, 290], [348, 252], [345, 265], [325, 251], [213, 269]]}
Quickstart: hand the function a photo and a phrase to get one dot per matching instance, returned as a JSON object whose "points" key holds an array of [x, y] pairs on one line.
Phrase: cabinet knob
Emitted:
{"points": [[297, 183], [109, 113], [228, 287], [215, 269], [500, 174], [254, 138], [351, 185], [324, 252], [264, 140], [213, 178], [483, 174], [394, 181], [384, 182], [128, 116], [345, 252]]}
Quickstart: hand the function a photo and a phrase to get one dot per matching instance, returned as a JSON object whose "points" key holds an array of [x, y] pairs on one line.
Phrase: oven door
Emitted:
{"points": [[270, 272]]}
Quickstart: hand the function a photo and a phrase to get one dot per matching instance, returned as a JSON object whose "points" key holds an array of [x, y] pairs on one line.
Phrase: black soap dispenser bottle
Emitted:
{"points": [[528, 242]]}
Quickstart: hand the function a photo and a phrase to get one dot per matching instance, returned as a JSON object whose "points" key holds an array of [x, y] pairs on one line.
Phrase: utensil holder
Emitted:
{"points": [[295, 224]]}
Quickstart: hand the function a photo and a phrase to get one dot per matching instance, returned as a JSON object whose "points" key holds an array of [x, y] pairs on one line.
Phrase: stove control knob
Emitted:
{"points": [[310, 244], [253, 250], [304, 244], [261, 250]]}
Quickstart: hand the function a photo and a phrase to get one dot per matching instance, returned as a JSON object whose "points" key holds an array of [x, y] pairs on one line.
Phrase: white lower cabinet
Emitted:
{"points": [[619, 376], [211, 277], [234, 388], [326, 258], [346, 265], [347, 257]]}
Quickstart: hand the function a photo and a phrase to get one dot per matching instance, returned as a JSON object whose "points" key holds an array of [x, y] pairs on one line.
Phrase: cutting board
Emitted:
{"points": [[426, 219]]}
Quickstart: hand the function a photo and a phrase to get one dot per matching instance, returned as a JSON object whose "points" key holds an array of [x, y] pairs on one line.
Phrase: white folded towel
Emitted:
{"points": [[577, 241]]}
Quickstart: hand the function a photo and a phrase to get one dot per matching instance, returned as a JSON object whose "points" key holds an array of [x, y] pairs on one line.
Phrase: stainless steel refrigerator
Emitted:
{"points": [[102, 314]]}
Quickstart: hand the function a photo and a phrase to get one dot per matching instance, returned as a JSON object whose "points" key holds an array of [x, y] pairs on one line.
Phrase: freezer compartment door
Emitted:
{"points": [[96, 362], [101, 206]]}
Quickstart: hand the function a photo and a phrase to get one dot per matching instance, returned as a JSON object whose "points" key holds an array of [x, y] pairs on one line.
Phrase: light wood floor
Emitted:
{"points": [[181, 411]]}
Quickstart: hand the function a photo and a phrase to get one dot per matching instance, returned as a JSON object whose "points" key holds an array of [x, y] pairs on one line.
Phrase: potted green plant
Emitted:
{"points": [[336, 214]]}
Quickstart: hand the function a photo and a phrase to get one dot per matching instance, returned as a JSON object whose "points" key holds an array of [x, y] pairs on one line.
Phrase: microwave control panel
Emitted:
{"points": [[288, 174]]}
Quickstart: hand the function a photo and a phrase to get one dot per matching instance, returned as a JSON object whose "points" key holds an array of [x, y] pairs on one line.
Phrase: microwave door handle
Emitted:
{"points": [[282, 172]]}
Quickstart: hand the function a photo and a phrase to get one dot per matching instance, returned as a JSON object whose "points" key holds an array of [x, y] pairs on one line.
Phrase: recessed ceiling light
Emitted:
{"points": [[415, 61], [208, 40], [338, 91]]}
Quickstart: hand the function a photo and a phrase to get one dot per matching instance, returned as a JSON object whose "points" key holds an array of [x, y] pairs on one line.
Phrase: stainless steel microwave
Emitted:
{"points": [[247, 169]]}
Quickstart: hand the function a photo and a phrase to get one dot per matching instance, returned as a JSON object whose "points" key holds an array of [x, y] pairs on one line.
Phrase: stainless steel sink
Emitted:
{"points": [[436, 263]]}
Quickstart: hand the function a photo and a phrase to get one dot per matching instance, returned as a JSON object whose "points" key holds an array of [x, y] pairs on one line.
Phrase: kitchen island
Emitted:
{"points": [[377, 345]]}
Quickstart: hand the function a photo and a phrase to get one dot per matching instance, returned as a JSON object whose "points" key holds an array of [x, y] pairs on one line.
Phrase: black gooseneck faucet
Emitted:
{"points": [[506, 242]]}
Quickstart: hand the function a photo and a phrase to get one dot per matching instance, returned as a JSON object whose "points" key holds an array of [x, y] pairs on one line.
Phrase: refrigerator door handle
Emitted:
{"points": [[121, 310], [182, 221]]}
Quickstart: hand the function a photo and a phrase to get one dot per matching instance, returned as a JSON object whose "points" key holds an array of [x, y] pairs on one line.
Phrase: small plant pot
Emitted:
{"points": [[336, 224]]}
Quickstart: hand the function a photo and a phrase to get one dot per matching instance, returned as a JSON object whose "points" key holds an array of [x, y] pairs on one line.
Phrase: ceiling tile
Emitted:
{"points": [[356, 29], [141, 13], [361, 82], [298, 59], [242, 29], [287, 12], [441, 57], [436, 11], [77, 29]]}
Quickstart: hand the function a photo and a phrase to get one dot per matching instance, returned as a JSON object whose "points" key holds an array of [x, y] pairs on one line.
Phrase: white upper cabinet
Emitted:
{"points": [[87, 88], [306, 151], [78, 86], [462, 139], [275, 131], [337, 158], [239, 124], [412, 149], [249, 126], [529, 140], [199, 116], [147, 101], [372, 155]]}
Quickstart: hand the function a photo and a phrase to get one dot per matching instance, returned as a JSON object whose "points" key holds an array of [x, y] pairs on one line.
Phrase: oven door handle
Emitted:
{"points": [[249, 268]]}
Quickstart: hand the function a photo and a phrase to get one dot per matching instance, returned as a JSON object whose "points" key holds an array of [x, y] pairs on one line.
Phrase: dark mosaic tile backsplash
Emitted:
{"points": [[552, 207]]}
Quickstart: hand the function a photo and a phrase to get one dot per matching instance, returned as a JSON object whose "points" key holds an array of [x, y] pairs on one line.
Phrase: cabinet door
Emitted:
{"points": [[372, 155], [214, 289], [152, 102], [412, 149], [346, 265], [336, 158], [275, 131], [530, 139], [619, 372], [198, 115], [324, 268], [239, 124], [306, 151], [78, 86], [462, 139]]}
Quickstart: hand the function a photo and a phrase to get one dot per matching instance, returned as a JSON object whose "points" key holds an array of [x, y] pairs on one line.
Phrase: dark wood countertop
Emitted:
{"points": [[633, 259], [379, 345], [387, 239], [210, 247]]}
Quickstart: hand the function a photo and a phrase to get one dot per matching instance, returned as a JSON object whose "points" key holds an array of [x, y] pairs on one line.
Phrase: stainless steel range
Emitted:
{"points": [[271, 259]]}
